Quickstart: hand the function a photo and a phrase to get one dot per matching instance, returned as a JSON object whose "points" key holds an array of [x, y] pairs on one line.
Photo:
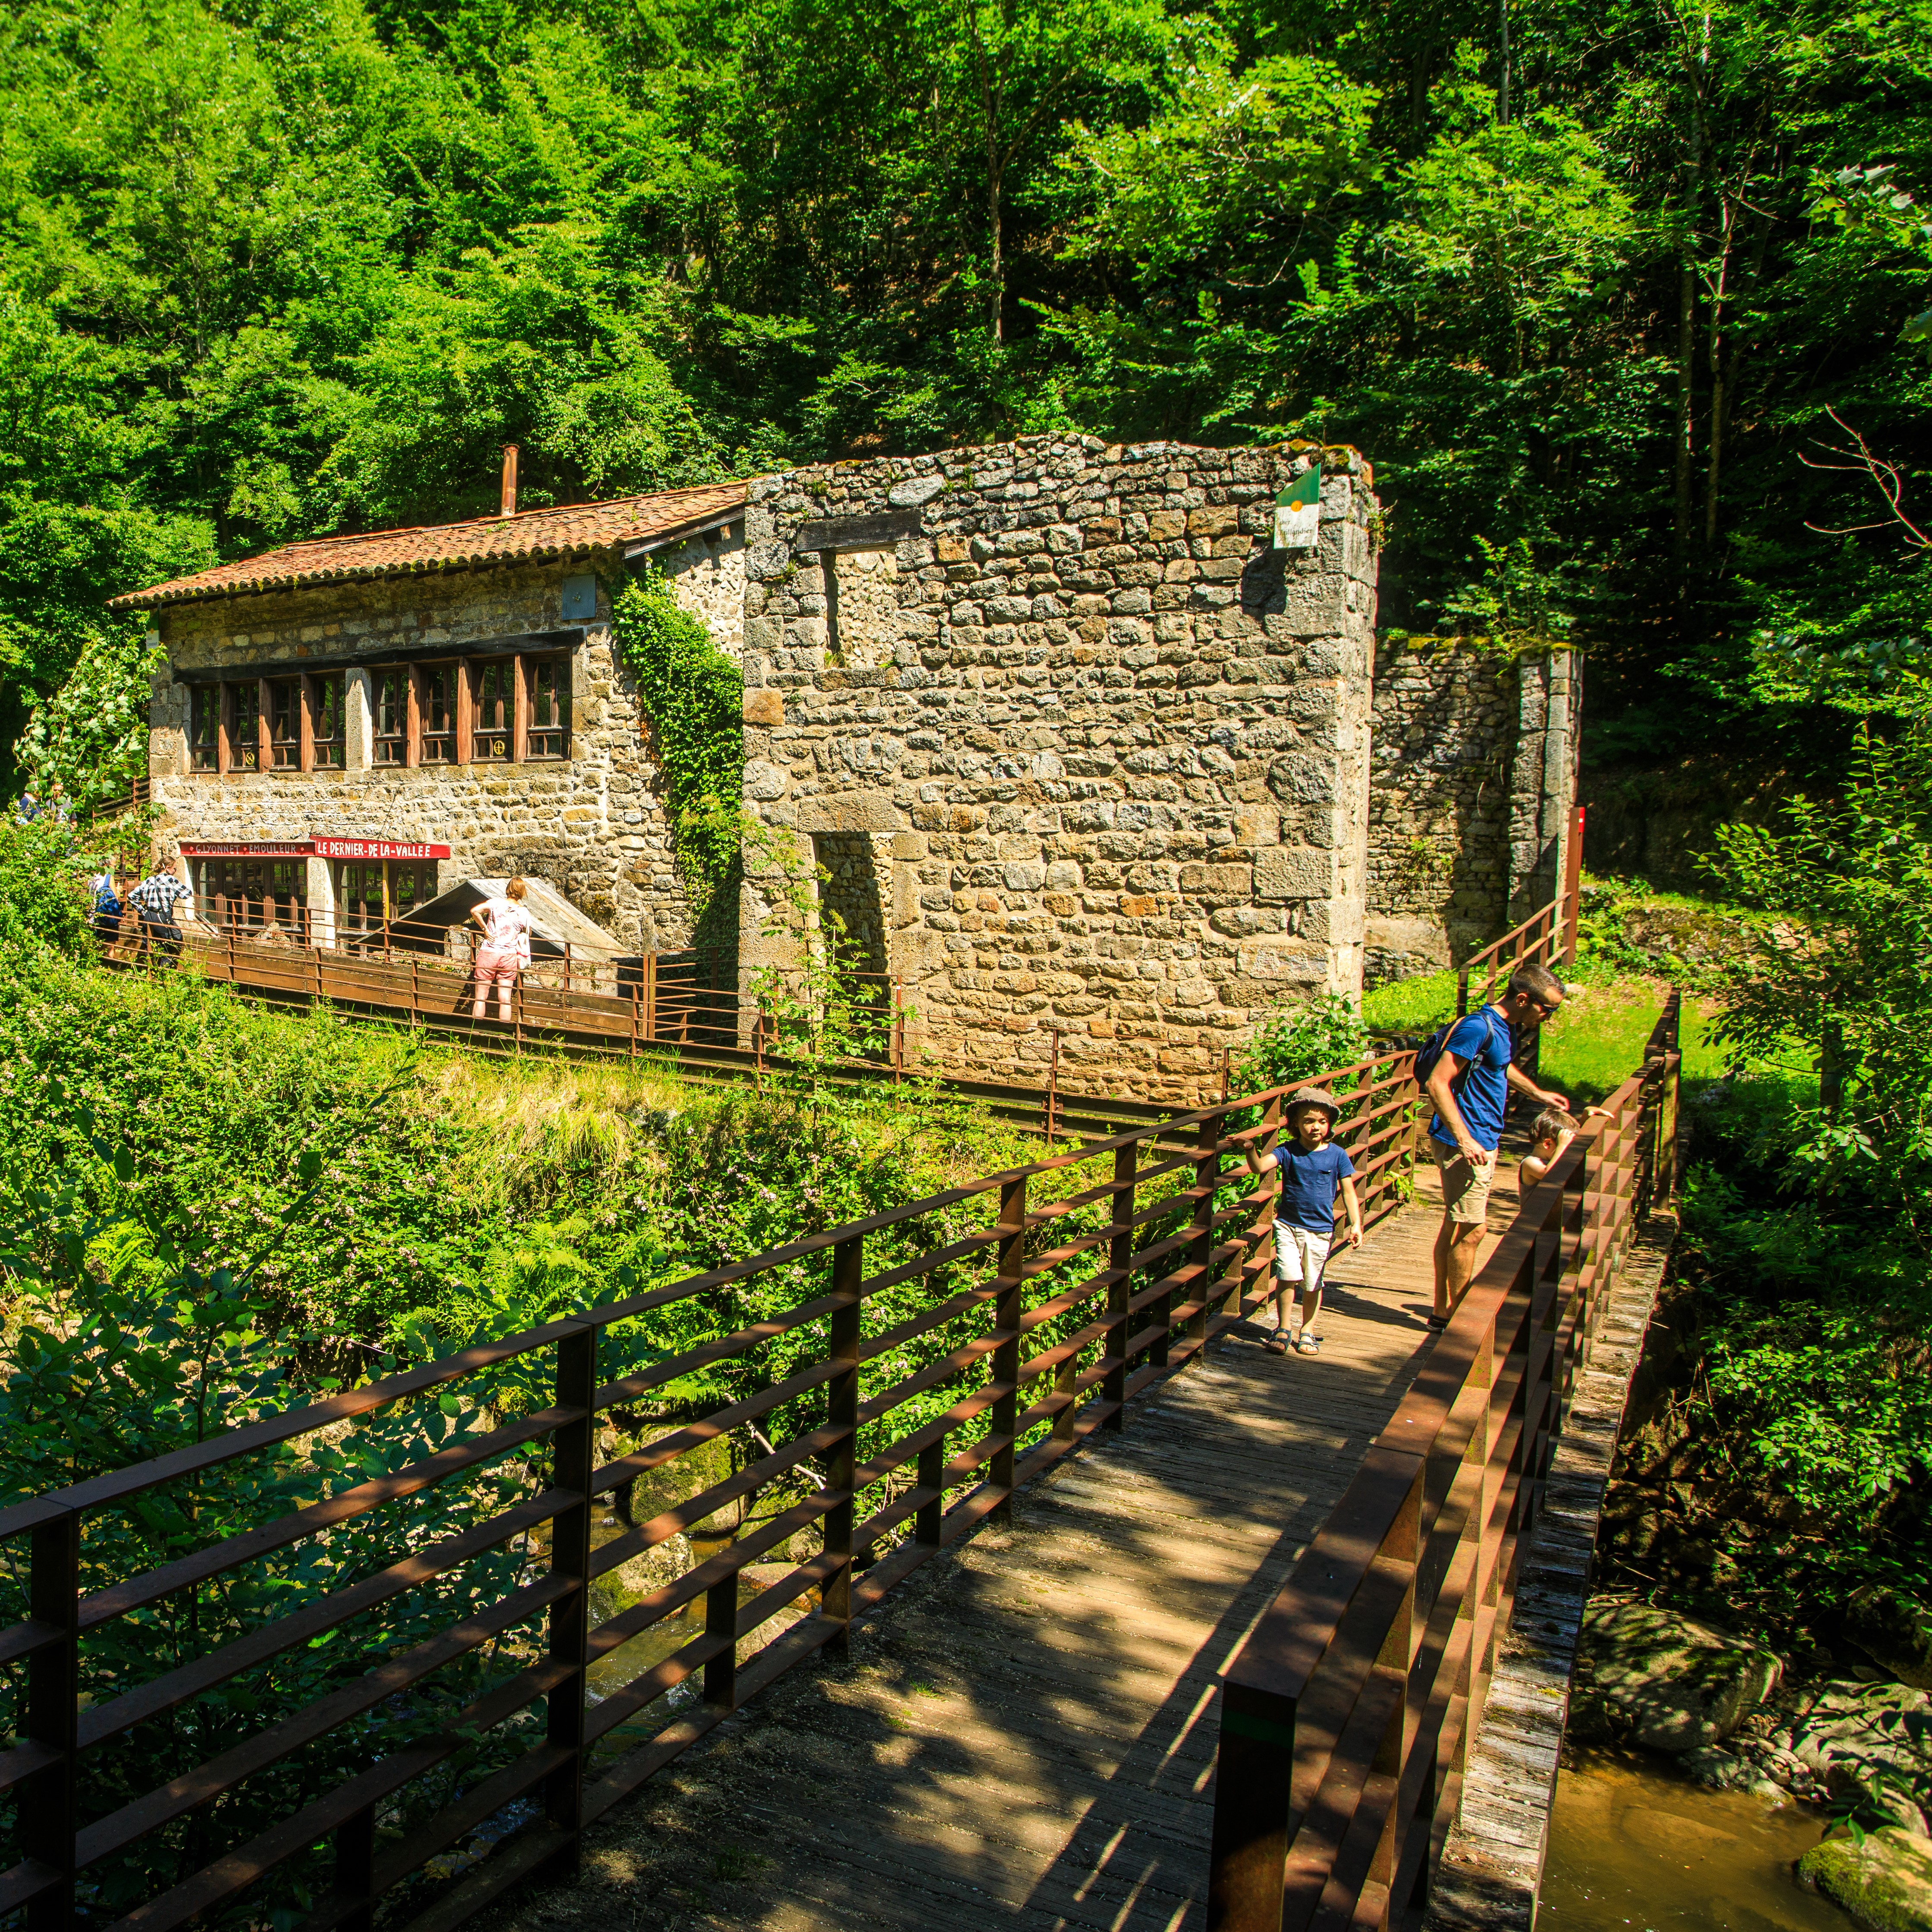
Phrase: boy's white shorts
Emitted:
{"points": [[1299, 1256]]}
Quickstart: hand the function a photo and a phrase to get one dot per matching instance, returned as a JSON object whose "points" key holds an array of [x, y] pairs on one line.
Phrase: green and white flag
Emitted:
{"points": [[1298, 511]]}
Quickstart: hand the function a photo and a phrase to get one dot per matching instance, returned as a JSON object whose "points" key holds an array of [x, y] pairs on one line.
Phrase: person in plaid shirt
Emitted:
{"points": [[155, 900]]}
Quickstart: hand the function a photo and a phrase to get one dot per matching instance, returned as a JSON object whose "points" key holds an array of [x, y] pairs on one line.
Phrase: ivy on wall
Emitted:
{"points": [[695, 695]]}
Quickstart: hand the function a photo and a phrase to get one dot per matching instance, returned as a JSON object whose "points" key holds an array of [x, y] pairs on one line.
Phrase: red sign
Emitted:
{"points": [[307, 848], [243, 848], [374, 848]]}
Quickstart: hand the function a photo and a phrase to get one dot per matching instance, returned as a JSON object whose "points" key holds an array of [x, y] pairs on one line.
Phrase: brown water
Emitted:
{"points": [[1632, 1848]]}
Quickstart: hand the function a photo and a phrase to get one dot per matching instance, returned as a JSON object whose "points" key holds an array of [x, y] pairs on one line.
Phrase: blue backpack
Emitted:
{"points": [[105, 903]]}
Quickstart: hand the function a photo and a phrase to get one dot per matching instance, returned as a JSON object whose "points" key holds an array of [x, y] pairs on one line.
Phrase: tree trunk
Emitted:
{"points": [[999, 274], [1687, 320]]}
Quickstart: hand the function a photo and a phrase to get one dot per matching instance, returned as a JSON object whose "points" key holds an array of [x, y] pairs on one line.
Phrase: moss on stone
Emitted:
{"points": [[1885, 1882]]}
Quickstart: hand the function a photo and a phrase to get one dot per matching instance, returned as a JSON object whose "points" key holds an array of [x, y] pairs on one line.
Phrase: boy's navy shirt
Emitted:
{"points": [[1482, 1043], [1309, 1176]]}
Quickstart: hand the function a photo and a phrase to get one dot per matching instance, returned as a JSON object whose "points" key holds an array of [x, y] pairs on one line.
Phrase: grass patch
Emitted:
{"points": [[1420, 1005]]}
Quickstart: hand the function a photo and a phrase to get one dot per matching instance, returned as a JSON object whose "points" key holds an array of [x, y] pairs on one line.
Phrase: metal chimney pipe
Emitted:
{"points": [[509, 507]]}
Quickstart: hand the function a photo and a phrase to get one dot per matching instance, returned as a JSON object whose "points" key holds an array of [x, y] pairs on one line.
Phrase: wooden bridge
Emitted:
{"points": [[1221, 1667]]}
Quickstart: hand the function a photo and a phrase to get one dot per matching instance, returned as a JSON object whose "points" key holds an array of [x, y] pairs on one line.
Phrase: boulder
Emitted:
{"points": [[1895, 1629], [1884, 1879], [1647, 1676]]}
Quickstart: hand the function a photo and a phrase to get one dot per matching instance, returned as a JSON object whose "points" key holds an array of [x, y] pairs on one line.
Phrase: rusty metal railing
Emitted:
{"points": [[1347, 1719], [878, 1404]]}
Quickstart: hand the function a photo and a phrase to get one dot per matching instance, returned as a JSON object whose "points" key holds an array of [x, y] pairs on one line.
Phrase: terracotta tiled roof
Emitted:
{"points": [[528, 536]]}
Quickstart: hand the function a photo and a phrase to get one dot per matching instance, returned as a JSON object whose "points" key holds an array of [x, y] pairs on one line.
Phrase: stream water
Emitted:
{"points": [[1632, 1848]]}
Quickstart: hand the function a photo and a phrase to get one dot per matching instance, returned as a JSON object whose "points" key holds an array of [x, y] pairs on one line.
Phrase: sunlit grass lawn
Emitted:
{"points": [[1592, 1047]]}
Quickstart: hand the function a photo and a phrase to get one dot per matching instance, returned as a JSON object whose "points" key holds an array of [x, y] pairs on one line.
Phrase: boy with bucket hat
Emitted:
{"points": [[1312, 1167]]}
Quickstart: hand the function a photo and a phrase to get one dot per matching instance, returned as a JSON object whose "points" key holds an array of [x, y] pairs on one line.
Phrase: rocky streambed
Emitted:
{"points": [[1732, 1717]]}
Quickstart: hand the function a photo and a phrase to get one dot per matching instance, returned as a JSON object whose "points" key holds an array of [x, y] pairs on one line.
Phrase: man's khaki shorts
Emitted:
{"points": [[1465, 1185]]}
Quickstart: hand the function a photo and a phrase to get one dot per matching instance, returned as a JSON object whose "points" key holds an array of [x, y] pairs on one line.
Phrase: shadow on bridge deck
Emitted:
{"points": [[1023, 1733]]}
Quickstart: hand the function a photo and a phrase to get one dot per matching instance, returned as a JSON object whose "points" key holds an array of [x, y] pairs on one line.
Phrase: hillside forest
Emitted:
{"points": [[1619, 298]]}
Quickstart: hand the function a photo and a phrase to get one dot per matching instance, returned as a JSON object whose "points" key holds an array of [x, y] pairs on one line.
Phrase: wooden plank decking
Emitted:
{"points": [[1018, 1736]]}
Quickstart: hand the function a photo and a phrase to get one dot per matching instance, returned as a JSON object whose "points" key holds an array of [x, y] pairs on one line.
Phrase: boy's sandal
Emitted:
{"points": [[1309, 1344], [1438, 1323], [1275, 1343]]}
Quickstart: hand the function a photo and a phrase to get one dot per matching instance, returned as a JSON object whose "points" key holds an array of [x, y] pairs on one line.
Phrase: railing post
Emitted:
{"points": [[1052, 1086], [841, 1412], [574, 1445], [1008, 1308], [1573, 883], [926, 1524], [1207, 1170], [1271, 1192], [650, 996], [48, 1803], [1462, 991], [355, 1869], [1120, 1285]]}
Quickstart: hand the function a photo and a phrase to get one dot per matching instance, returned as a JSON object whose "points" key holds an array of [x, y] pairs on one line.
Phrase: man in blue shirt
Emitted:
{"points": [[1470, 1084]]}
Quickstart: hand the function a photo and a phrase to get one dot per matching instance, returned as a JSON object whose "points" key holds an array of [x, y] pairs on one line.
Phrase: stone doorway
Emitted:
{"points": [[848, 887]]}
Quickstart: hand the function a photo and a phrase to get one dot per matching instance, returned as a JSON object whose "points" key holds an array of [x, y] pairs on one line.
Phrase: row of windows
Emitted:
{"points": [[502, 711]]}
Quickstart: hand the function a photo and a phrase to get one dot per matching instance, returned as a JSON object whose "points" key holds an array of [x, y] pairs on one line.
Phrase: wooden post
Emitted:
{"points": [[574, 1445], [1008, 1308], [355, 1868], [520, 743], [264, 726], [1225, 1076], [1207, 1171], [1053, 1087], [1573, 883], [650, 996], [412, 711], [466, 711], [841, 1412], [49, 1817], [1120, 1254], [637, 997], [566, 973], [305, 702], [224, 727]]}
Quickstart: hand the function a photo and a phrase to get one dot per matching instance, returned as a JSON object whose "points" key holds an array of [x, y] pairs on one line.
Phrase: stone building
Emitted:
{"points": [[1063, 724], [1472, 774], [349, 725], [1085, 744]]}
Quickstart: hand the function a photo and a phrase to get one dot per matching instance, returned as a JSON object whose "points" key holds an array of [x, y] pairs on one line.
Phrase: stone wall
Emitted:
{"points": [[1473, 769], [1109, 748], [707, 576], [593, 825]]}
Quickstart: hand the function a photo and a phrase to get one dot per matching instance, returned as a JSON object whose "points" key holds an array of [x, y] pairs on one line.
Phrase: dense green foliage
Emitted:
{"points": [[1796, 1455], [695, 697], [267, 273]]}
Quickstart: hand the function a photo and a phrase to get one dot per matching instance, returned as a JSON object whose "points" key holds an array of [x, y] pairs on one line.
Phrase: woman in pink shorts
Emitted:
{"points": [[506, 950]]}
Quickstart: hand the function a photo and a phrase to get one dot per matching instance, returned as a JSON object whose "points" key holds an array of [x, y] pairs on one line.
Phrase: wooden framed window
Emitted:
{"points": [[493, 740], [285, 724], [391, 693], [436, 695], [549, 733], [204, 727], [245, 726], [328, 734]]}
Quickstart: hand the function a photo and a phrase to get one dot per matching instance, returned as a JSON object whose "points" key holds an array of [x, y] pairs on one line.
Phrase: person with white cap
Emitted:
{"points": [[1311, 1168]]}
